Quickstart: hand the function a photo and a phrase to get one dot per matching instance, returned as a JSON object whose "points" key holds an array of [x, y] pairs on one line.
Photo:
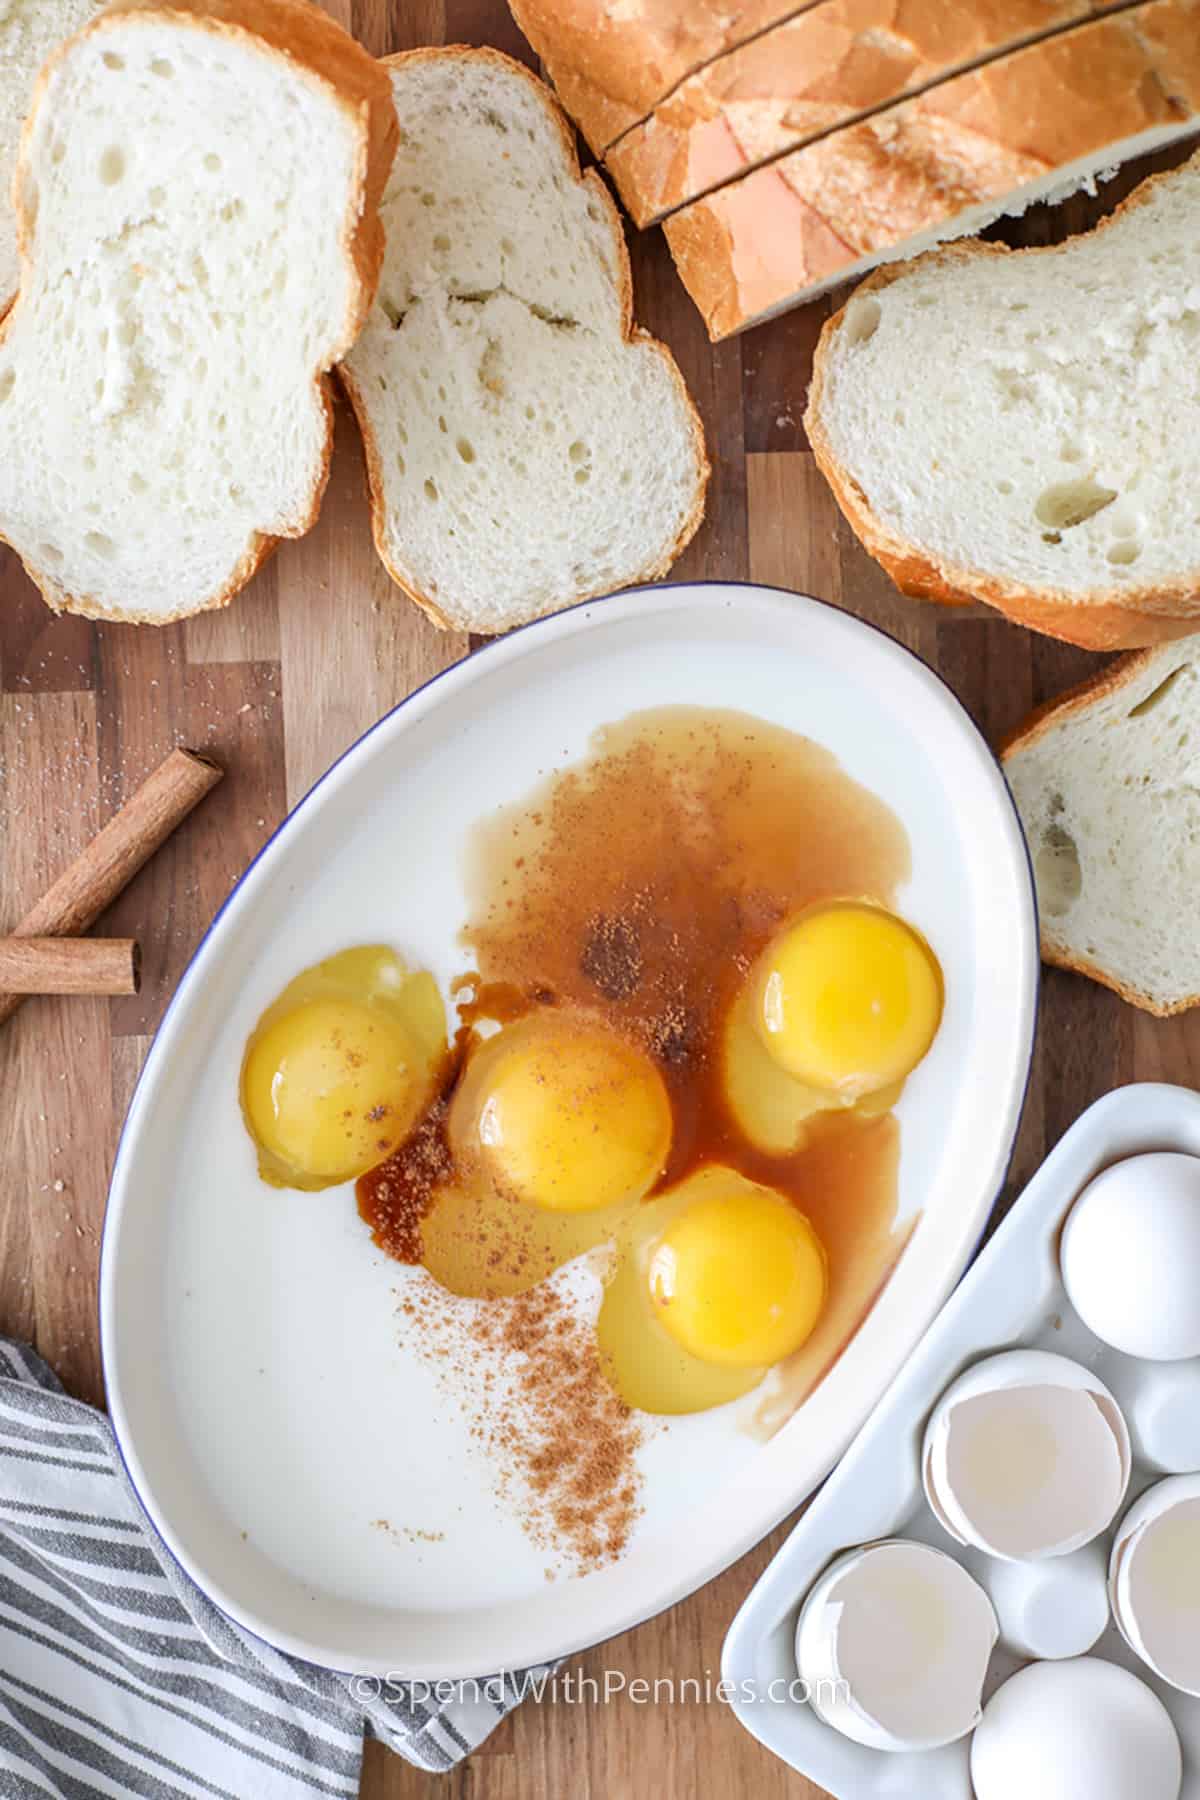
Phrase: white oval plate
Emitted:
{"points": [[270, 1413]]}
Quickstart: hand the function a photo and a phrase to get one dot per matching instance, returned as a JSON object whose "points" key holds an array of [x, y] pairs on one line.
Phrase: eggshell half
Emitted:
{"points": [[1026, 1455], [893, 1643], [1154, 1580], [1085, 1729], [1130, 1256]]}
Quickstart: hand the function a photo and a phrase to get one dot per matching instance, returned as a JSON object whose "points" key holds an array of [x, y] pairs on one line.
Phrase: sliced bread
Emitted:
{"points": [[1020, 426], [29, 31], [822, 69], [612, 61], [526, 445], [1107, 783], [196, 202], [1031, 126]]}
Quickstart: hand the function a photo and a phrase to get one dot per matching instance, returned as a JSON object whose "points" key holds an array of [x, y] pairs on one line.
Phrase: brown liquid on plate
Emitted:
{"points": [[640, 885]]}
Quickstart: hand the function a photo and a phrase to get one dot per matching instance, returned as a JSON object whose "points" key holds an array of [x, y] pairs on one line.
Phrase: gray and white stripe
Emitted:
{"points": [[118, 1677]]}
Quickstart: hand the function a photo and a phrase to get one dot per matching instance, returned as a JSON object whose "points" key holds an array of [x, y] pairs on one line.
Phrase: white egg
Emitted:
{"points": [[1026, 1455], [1079, 1730], [1154, 1580], [1130, 1256], [894, 1642]]}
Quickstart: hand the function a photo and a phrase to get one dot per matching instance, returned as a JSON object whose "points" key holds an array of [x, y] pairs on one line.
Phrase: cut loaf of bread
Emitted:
{"points": [[1019, 426], [526, 446], [1032, 126], [830, 65], [1107, 783], [196, 205], [612, 61], [29, 31]]}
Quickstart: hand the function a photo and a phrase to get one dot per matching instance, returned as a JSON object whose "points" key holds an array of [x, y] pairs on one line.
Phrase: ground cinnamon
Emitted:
{"points": [[561, 1444]]}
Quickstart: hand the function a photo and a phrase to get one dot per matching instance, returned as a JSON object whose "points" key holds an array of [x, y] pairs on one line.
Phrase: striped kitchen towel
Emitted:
{"points": [[118, 1677]]}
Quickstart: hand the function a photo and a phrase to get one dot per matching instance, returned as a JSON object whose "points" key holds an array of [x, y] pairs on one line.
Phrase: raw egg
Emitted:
{"points": [[340, 1067], [738, 1277], [848, 999], [715, 1280], [565, 1114], [557, 1126], [839, 1009]]}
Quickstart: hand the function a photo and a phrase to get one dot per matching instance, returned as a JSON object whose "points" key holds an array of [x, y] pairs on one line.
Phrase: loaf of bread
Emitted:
{"points": [[1033, 125], [29, 31], [1107, 783], [612, 61], [1019, 426], [526, 445], [829, 65], [196, 200]]}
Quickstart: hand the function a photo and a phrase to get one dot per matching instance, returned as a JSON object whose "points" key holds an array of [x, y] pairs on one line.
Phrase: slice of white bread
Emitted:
{"points": [[526, 445], [612, 61], [29, 31], [823, 69], [196, 199], [1035, 125], [1020, 427], [1107, 783]]}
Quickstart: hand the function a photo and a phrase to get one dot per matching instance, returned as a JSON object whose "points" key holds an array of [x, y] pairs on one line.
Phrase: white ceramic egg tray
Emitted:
{"points": [[1013, 1295]]}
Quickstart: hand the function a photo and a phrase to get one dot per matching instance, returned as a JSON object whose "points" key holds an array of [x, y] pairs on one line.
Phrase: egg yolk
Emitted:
{"points": [[849, 999], [572, 1118], [327, 1089], [339, 1066], [738, 1278]]}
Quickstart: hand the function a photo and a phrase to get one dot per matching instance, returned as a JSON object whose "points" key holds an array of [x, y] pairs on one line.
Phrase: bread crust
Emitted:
{"points": [[611, 61], [1076, 699], [304, 38], [632, 334], [1059, 957], [1116, 619], [812, 74], [758, 246], [1040, 723]]}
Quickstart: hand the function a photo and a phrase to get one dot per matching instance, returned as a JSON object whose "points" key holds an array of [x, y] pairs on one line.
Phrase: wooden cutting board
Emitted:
{"points": [[276, 687]]}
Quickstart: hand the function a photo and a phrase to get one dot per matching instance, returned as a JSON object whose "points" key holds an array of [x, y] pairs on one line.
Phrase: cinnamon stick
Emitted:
{"points": [[71, 965], [114, 856]]}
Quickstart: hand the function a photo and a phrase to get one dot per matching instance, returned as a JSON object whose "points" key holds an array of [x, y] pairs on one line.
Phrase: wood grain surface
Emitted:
{"points": [[275, 687]]}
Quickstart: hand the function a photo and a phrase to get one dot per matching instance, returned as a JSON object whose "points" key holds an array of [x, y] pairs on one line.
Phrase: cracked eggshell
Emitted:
{"points": [[894, 1642], [1154, 1580], [1026, 1455]]}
